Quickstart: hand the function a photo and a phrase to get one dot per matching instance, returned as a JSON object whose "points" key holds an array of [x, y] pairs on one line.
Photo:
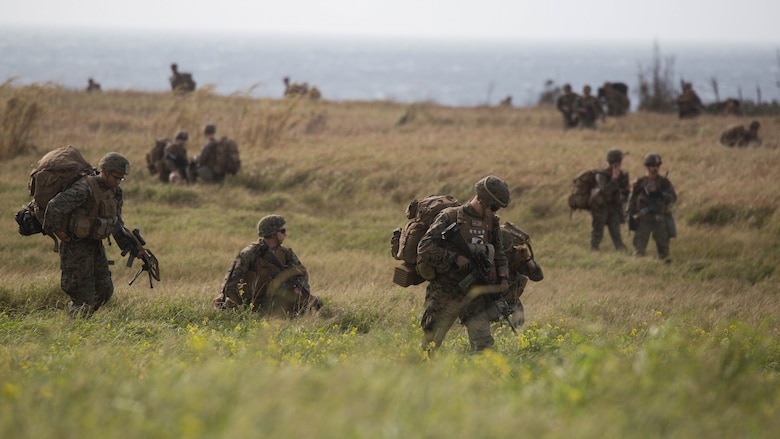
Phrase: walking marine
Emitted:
{"points": [[464, 278], [82, 216]]}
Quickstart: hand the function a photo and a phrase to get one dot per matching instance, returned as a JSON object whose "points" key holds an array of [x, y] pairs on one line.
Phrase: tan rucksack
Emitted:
{"points": [[227, 159], [403, 244], [154, 158], [583, 189], [55, 172]]}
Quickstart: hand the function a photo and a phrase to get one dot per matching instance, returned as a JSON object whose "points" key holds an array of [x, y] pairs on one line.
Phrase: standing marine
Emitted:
{"points": [[565, 104], [607, 205], [267, 277], [82, 216], [650, 209], [689, 104], [455, 288], [588, 108]]}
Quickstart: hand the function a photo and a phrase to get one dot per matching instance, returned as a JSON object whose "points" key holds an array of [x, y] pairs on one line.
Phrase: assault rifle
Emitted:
{"points": [[481, 269], [653, 199], [136, 245], [294, 281]]}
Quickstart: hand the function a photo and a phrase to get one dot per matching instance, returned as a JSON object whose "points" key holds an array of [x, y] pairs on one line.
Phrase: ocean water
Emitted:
{"points": [[457, 73]]}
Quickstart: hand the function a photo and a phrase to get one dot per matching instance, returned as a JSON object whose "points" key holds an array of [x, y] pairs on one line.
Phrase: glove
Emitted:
{"points": [[462, 262], [525, 254], [503, 287]]}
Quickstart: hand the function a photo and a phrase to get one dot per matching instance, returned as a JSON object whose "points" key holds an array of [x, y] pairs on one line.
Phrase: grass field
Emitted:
{"points": [[613, 346]]}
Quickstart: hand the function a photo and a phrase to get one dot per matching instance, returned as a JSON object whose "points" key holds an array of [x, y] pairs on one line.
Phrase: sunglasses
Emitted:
{"points": [[283, 231], [120, 178]]}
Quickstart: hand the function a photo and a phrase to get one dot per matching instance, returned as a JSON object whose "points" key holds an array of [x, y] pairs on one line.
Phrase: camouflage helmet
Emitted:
{"points": [[182, 135], [614, 156], [269, 224], [567, 87], [113, 161], [209, 129], [506, 239], [652, 159], [586, 89], [493, 190], [755, 125]]}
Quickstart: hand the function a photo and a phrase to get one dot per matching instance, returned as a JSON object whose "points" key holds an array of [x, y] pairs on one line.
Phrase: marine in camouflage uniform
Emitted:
{"points": [[81, 217], [616, 101], [565, 104], [522, 268], [257, 283], [741, 137], [175, 160], [650, 205], [92, 85], [608, 204], [445, 301], [588, 109], [181, 81], [689, 104], [202, 166]]}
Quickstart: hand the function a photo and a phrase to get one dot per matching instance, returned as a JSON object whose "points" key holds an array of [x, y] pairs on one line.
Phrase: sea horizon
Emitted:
{"points": [[448, 72]]}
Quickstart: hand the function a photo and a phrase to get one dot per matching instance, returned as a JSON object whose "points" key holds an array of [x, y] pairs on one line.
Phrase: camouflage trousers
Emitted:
{"points": [[655, 225], [610, 216], [85, 274], [445, 302]]}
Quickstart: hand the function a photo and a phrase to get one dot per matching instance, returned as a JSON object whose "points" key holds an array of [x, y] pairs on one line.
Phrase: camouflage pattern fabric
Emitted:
{"points": [[255, 283], [204, 163], [607, 208], [651, 203], [565, 104], [689, 104], [519, 275], [588, 110], [174, 160], [181, 81], [445, 301], [740, 137], [617, 102], [85, 274]]}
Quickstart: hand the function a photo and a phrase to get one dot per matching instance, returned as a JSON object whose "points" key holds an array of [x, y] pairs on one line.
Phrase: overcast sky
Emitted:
{"points": [[557, 20]]}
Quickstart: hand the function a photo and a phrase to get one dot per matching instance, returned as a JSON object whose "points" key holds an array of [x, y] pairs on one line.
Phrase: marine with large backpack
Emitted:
{"points": [[450, 291], [83, 208], [216, 159], [403, 244]]}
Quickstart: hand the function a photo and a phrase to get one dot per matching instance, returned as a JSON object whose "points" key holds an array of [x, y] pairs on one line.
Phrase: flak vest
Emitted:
{"points": [[479, 234], [96, 218]]}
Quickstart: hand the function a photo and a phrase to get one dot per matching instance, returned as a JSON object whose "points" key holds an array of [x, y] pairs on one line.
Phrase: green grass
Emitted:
{"points": [[613, 346]]}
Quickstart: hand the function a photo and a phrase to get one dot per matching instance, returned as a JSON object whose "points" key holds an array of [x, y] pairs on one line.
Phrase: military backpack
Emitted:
{"points": [[226, 157], [583, 190], [154, 158], [55, 172], [403, 244]]}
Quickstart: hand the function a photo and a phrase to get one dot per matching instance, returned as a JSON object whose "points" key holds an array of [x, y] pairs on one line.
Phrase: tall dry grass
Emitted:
{"points": [[607, 335]]}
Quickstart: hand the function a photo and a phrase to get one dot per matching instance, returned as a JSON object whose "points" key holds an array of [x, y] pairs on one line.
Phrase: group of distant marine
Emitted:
{"points": [[183, 82], [578, 111], [583, 111]]}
